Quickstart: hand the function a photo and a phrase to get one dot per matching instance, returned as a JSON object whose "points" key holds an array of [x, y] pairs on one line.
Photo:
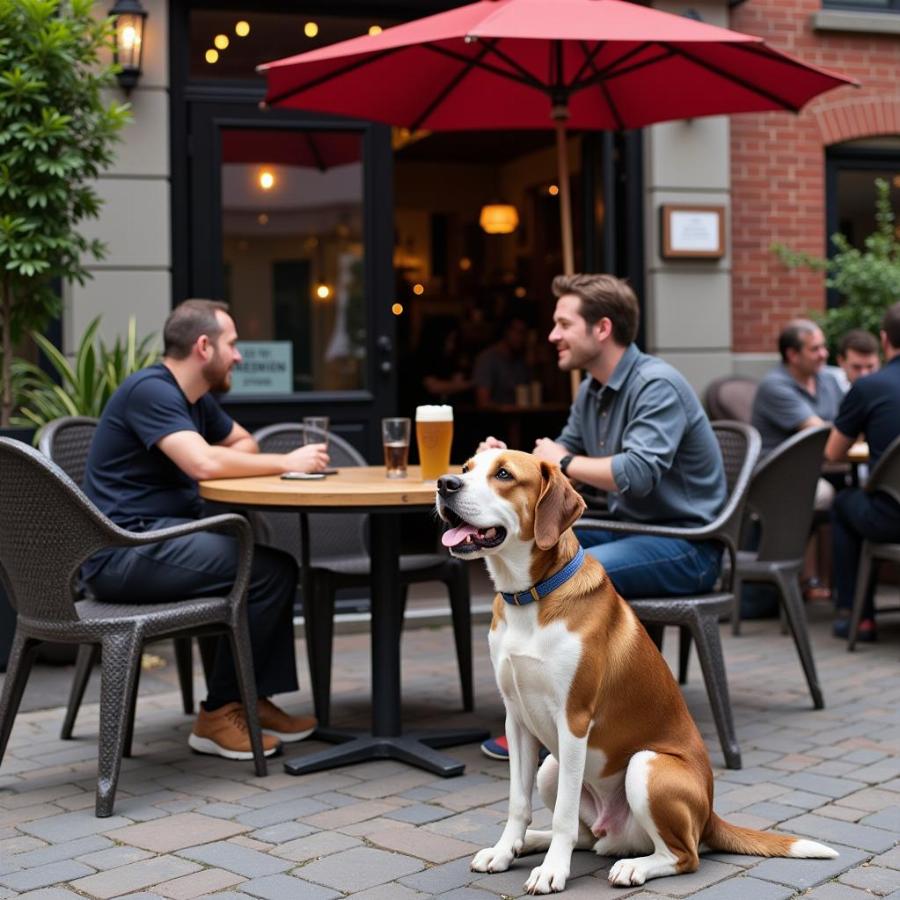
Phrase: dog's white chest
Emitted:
{"points": [[535, 667]]}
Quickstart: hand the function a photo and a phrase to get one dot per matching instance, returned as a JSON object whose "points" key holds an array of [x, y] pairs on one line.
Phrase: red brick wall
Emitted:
{"points": [[778, 163]]}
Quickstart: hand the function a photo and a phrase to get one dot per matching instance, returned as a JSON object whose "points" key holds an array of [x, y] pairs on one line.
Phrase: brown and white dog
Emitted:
{"points": [[628, 774]]}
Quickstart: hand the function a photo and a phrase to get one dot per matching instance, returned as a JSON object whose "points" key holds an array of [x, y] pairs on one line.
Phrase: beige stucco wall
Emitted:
{"points": [[135, 278], [688, 302]]}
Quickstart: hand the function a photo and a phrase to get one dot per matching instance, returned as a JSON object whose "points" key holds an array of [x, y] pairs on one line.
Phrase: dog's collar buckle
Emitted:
{"points": [[542, 588]]}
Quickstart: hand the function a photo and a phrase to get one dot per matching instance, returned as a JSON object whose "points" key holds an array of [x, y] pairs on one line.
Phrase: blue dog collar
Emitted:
{"points": [[542, 588]]}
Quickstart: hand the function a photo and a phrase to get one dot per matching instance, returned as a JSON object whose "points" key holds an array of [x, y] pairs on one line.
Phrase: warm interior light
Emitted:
{"points": [[212, 56], [553, 190], [267, 179], [896, 181], [129, 37], [418, 289], [221, 41], [520, 292], [499, 218], [263, 218], [310, 29], [323, 292], [397, 309], [373, 30], [242, 29], [465, 264]]}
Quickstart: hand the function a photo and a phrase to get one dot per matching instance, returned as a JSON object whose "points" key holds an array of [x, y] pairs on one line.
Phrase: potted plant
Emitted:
{"points": [[57, 134], [868, 280]]}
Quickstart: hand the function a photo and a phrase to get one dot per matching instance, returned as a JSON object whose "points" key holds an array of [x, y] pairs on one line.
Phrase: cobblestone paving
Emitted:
{"points": [[192, 826]]}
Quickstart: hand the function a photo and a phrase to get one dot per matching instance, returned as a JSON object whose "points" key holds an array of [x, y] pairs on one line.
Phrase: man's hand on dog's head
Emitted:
{"points": [[548, 450], [491, 443]]}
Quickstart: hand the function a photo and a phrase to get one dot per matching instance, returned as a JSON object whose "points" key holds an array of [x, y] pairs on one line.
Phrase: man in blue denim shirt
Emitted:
{"points": [[637, 431]]}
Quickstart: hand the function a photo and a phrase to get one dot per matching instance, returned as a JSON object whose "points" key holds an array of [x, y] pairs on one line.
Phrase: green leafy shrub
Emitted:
{"points": [[57, 134], [86, 384], [868, 280]]}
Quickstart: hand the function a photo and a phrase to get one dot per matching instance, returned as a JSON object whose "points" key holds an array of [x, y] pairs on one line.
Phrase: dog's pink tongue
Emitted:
{"points": [[454, 536]]}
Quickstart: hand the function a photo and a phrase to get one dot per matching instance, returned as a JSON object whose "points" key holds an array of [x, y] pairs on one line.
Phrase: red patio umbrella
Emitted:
{"points": [[599, 64], [321, 150]]}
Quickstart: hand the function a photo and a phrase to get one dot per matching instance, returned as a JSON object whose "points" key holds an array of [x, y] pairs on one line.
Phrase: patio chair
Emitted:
{"points": [[338, 551], [781, 494], [731, 397], [699, 616], [47, 529], [67, 441], [885, 477]]}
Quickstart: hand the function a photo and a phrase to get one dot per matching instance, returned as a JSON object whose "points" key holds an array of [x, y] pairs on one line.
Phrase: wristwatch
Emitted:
{"points": [[564, 462]]}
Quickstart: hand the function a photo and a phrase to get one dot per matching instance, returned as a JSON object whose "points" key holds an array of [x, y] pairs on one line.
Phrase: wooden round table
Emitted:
{"points": [[362, 489]]}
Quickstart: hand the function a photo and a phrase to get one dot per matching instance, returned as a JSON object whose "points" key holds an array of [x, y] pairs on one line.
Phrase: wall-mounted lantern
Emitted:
{"points": [[128, 51]]}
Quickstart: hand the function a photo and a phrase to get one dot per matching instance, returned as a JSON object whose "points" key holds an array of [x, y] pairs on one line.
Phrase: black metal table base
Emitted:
{"points": [[417, 748]]}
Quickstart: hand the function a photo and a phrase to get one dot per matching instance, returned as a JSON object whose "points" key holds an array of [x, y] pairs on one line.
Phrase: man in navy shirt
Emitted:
{"points": [[870, 409], [161, 433]]}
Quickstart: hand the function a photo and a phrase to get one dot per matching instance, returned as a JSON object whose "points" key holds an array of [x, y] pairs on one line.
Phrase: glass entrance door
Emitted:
{"points": [[284, 228]]}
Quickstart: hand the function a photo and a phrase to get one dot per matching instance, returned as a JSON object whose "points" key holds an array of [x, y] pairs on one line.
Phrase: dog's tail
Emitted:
{"points": [[727, 838]]}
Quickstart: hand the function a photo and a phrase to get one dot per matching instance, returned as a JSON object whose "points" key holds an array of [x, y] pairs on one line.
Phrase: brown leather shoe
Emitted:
{"points": [[224, 732], [276, 721]]}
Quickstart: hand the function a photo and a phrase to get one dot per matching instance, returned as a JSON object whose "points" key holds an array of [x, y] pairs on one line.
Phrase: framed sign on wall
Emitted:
{"points": [[692, 231]]}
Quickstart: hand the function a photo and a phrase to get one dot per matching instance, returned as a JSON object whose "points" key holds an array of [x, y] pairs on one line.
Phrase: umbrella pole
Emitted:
{"points": [[560, 114]]}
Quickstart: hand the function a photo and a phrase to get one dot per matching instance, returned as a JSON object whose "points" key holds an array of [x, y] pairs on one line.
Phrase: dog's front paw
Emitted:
{"points": [[627, 872], [492, 859], [547, 878]]}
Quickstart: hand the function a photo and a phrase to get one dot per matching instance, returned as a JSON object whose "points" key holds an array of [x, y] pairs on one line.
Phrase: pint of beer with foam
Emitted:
{"points": [[434, 435]]}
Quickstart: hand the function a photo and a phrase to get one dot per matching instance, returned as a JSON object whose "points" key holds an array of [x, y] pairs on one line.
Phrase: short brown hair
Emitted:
{"points": [[890, 325], [603, 297], [859, 341], [187, 322]]}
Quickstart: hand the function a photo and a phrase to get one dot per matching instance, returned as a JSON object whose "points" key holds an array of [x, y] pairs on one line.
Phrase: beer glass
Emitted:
{"points": [[395, 437], [434, 435], [320, 423]]}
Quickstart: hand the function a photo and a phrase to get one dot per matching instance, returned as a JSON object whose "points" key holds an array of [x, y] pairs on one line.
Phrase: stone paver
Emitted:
{"points": [[188, 826]]}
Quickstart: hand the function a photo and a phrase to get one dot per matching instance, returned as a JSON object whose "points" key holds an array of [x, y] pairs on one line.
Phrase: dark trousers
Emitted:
{"points": [[204, 565], [857, 516]]}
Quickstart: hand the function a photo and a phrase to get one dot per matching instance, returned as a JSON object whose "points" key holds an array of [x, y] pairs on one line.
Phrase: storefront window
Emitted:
{"points": [[293, 250], [872, 5]]}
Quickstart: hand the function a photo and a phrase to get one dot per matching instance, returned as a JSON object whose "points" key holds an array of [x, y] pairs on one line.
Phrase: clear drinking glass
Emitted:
{"points": [[395, 436], [434, 435], [320, 423]]}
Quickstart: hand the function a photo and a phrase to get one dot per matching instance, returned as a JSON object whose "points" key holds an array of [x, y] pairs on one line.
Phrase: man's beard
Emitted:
{"points": [[217, 377]]}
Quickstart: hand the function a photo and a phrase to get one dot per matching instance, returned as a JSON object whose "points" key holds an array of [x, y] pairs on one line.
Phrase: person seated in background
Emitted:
{"points": [[636, 430], [501, 368], [445, 376], [162, 432], [857, 356], [795, 395], [872, 409]]}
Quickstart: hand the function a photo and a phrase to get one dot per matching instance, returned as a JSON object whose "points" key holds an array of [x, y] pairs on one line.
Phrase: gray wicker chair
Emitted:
{"points": [[885, 477], [782, 494], [67, 441], [731, 398], [47, 529], [340, 559], [698, 616]]}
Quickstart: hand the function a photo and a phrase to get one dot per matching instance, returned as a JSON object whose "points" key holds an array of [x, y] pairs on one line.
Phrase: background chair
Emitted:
{"points": [[339, 555], [731, 397], [781, 494], [47, 529], [67, 441], [885, 477], [699, 616]]}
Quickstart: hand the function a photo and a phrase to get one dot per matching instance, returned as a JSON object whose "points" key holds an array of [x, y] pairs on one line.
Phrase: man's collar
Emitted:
{"points": [[621, 372]]}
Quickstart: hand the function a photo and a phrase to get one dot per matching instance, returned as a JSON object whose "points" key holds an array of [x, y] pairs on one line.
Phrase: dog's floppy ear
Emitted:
{"points": [[558, 506]]}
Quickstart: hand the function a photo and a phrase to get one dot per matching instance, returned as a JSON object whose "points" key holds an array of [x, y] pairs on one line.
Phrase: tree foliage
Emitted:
{"points": [[57, 134], [868, 280]]}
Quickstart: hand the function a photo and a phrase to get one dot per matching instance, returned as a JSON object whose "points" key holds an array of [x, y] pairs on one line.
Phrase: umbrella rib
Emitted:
{"points": [[451, 85], [527, 78], [760, 50], [589, 62], [610, 70], [337, 73], [319, 162], [716, 70]]}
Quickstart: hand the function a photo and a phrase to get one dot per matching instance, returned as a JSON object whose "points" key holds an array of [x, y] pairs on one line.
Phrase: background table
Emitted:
{"points": [[362, 489]]}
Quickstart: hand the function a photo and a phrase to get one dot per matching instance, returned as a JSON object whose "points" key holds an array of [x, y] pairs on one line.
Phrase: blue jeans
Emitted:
{"points": [[647, 566]]}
